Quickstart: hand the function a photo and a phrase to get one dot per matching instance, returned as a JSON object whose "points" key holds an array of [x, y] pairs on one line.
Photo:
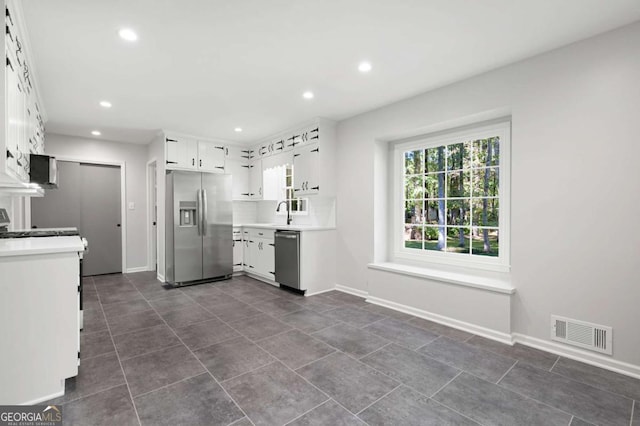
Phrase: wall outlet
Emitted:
{"points": [[132, 205]]}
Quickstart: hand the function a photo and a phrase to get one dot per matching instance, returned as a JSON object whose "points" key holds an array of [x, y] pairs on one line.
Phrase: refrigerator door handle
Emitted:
{"points": [[204, 212], [199, 208]]}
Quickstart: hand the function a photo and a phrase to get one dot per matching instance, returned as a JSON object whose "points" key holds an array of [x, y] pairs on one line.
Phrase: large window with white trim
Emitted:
{"points": [[452, 201]]}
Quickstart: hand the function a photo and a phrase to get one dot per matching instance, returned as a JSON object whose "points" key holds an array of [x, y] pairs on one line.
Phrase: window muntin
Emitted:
{"points": [[452, 193]]}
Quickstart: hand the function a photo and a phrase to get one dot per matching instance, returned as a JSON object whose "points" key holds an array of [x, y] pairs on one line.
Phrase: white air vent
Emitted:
{"points": [[583, 334]]}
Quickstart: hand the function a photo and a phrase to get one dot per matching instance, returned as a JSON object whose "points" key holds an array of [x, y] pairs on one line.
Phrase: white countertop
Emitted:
{"points": [[292, 227], [39, 245]]}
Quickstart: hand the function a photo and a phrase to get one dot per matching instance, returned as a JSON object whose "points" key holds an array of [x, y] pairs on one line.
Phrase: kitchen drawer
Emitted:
{"points": [[266, 234]]}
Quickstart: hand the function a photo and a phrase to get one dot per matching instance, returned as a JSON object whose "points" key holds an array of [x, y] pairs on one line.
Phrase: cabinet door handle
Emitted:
{"points": [[273, 273], [247, 166], [317, 188], [260, 191], [226, 151], [296, 155], [272, 245], [316, 130], [220, 167], [200, 163], [172, 162], [315, 150], [193, 161], [314, 137], [220, 147], [296, 189], [252, 194], [170, 140], [245, 193]]}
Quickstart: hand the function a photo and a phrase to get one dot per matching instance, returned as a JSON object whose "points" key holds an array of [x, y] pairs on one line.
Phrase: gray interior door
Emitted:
{"points": [[100, 218], [87, 198]]}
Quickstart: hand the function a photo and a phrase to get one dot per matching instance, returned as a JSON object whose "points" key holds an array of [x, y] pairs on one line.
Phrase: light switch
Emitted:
{"points": [[132, 205]]}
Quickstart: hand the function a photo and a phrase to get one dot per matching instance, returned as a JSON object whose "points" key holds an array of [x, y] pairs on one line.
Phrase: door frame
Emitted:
{"points": [[152, 167], [123, 196]]}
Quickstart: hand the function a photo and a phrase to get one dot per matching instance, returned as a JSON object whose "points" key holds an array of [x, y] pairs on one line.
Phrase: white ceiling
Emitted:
{"points": [[204, 67]]}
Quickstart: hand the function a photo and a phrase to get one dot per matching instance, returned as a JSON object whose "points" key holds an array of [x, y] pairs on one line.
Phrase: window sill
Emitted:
{"points": [[489, 283]]}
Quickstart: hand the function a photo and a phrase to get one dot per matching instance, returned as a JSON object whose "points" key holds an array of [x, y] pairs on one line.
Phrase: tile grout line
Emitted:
{"points": [[571, 420], [90, 394], [507, 372], [124, 376], [383, 396], [203, 366], [554, 364], [456, 411], [170, 384], [633, 407], [446, 384], [308, 411], [252, 370]]}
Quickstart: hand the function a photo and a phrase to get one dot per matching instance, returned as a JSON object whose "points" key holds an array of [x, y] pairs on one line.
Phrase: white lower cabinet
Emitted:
{"points": [[238, 248], [259, 253]]}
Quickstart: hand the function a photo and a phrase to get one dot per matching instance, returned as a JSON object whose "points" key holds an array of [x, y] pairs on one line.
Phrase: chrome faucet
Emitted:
{"points": [[286, 203]]}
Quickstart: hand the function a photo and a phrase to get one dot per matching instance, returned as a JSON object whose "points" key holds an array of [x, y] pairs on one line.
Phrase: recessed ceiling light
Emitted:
{"points": [[96, 133], [364, 67], [105, 104], [238, 129], [307, 95], [128, 34]]}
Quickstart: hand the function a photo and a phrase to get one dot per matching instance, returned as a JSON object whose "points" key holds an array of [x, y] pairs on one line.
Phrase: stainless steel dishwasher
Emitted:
{"points": [[288, 258]]}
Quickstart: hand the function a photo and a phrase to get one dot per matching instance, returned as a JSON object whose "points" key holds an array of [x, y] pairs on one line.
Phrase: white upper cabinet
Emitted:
{"points": [[181, 153], [185, 153], [211, 157], [239, 172], [22, 118], [238, 153], [255, 180], [306, 170], [308, 135]]}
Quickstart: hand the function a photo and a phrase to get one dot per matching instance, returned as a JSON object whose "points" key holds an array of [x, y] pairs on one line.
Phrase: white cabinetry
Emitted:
{"points": [[211, 157], [260, 248], [186, 153], [306, 170], [238, 249], [181, 153], [40, 303], [255, 180], [21, 114]]}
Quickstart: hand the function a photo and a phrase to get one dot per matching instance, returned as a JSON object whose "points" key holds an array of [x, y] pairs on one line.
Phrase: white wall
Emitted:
{"points": [[575, 182], [135, 159], [155, 152]]}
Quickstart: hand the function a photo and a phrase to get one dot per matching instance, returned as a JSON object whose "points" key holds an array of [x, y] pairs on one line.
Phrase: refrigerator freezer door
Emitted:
{"points": [[183, 240], [217, 239]]}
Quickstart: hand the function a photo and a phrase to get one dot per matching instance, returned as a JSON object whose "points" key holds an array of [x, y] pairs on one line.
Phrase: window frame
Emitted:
{"points": [[289, 189], [501, 263]]}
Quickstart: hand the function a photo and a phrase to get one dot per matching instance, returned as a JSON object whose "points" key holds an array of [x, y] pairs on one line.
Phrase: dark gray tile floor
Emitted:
{"points": [[243, 352]]}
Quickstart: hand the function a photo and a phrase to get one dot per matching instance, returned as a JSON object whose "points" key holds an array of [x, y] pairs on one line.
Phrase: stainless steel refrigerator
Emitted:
{"points": [[199, 227]]}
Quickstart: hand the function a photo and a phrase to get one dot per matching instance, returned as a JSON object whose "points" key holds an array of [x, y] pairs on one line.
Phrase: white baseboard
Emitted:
{"points": [[319, 292], [594, 359], [351, 290], [160, 277], [440, 319], [137, 269]]}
